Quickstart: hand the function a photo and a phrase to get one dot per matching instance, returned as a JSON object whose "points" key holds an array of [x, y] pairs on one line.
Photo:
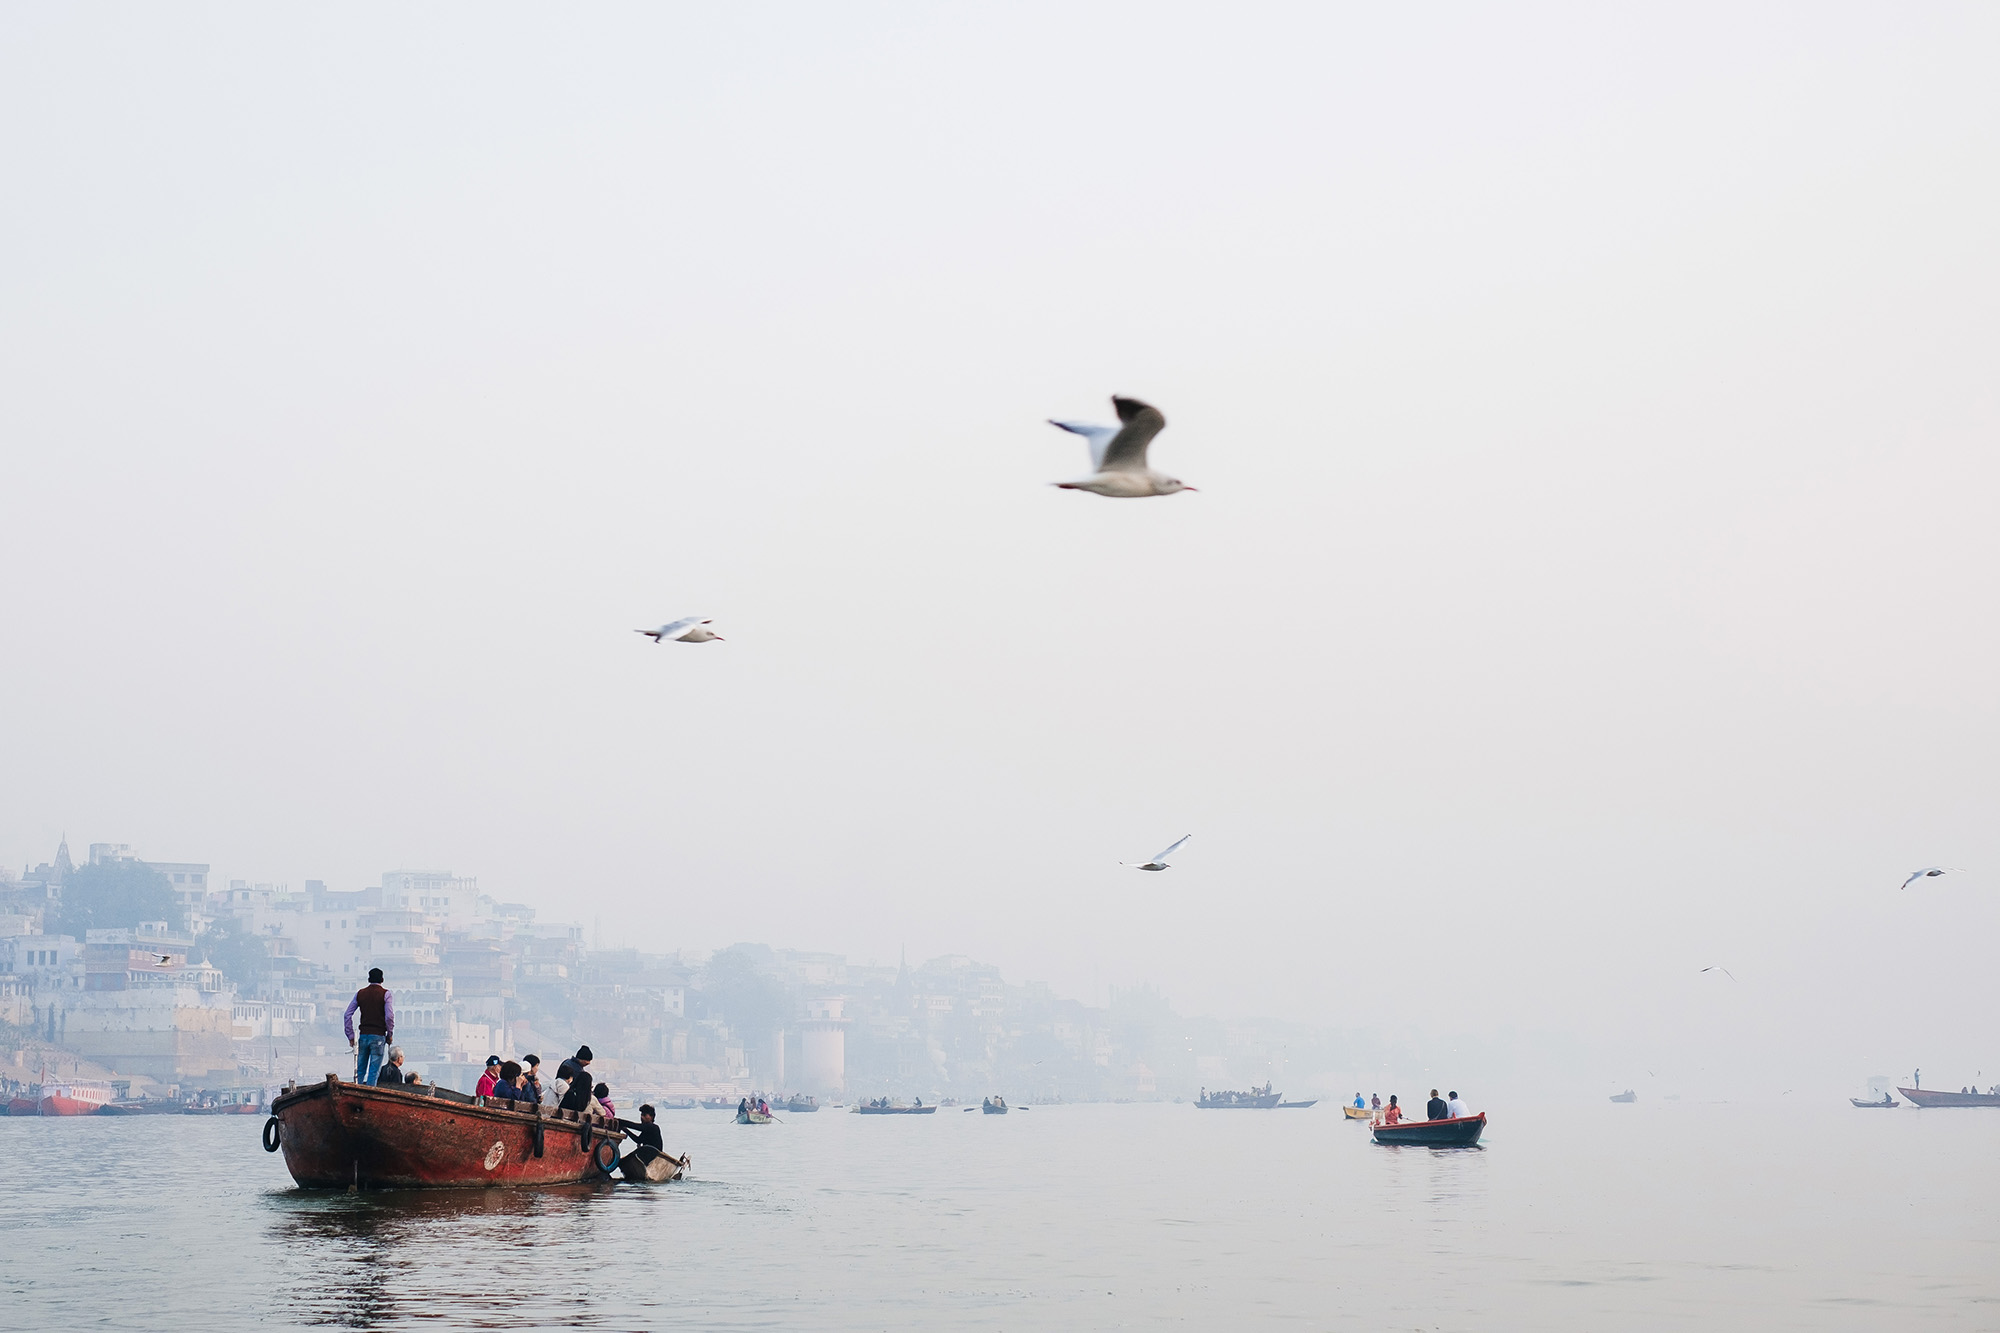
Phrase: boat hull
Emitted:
{"points": [[1886, 1104], [59, 1105], [339, 1135], [656, 1171], [1357, 1112], [752, 1118], [1932, 1097], [1267, 1102], [1297, 1106], [1460, 1133]]}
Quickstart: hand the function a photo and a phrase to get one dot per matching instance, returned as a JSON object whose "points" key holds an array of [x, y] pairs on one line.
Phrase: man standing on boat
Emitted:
{"points": [[378, 1024]]}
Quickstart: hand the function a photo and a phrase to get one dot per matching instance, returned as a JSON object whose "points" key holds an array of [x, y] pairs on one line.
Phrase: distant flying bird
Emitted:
{"points": [[1928, 872], [1159, 862], [164, 958], [1119, 455], [688, 629], [1725, 971]]}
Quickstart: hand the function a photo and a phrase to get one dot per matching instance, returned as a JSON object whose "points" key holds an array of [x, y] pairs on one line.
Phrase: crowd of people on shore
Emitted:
{"points": [[1437, 1108]]}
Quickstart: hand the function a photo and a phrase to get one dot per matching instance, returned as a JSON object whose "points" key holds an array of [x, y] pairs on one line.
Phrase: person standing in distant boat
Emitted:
{"points": [[1375, 1101], [378, 1024]]}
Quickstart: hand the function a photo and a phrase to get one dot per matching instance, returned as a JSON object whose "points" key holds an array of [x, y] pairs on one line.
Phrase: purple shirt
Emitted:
{"points": [[388, 1016]]}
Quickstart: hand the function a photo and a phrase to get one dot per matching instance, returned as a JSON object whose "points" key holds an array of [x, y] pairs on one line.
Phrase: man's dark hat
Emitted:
{"points": [[583, 1053], [492, 1060]]}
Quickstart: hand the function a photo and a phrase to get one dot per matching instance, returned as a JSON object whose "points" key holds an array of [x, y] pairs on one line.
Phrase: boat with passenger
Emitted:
{"points": [[883, 1106], [994, 1105], [337, 1135], [1462, 1132], [1257, 1099], [1963, 1097]]}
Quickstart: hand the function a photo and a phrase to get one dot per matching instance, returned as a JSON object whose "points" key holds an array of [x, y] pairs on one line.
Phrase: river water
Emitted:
{"points": [[1663, 1215]]}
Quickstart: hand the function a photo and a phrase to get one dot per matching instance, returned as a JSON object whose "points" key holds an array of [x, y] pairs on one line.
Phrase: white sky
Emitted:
{"points": [[1593, 575]]}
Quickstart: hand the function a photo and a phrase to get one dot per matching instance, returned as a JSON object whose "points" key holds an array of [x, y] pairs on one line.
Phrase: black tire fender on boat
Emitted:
{"points": [[583, 1134], [273, 1132], [597, 1156]]}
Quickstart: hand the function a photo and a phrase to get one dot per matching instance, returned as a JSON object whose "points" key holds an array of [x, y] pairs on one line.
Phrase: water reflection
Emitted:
{"points": [[369, 1259]]}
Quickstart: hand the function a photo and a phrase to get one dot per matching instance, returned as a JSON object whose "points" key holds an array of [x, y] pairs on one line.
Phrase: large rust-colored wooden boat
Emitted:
{"points": [[339, 1135]]}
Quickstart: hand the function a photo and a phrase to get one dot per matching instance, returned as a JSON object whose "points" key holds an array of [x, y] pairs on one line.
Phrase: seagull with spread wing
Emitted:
{"points": [[1118, 455], [688, 629], [1719, 968], [1929, 872], [1159, 862]]}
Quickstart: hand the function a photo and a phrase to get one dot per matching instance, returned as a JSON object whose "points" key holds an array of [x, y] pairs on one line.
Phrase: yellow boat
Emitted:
{"points": [[1356, 1112]]}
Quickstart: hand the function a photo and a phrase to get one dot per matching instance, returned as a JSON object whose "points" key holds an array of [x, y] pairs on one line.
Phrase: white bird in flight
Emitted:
{"points": [[688, 629], [1159, 862], [1719, 968], [1119, 455], [165, 958], [1928, 872]]}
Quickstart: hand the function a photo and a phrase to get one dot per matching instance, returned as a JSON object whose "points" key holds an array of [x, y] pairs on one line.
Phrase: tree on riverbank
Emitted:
{"points": [[114, 895]]}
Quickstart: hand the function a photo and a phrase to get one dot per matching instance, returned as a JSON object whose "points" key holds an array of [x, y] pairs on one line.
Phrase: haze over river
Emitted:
{"points": [[1593, 1216]]}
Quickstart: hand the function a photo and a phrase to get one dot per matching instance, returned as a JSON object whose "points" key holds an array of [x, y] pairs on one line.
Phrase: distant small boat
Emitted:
{"points": [[799, 1103], [653, 1169], [719, 1103], [753, 1116], [1932, 1097], [1460, 1133], [1297, 1106], [1887, 1103], [993, 1106], [1626, 1096], [683, 1104], [1257, 1099], [1357, 1112], [894, 1110]]}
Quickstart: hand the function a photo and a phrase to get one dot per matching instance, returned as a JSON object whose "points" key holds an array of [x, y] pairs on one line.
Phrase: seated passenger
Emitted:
{"points": [[577, 1070], [1394, 1114], [489, 1078], [392, 1073], [601, 1095]]}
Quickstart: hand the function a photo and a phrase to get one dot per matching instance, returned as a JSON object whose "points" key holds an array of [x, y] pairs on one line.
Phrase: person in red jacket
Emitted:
{"points": [[488, 1079]]}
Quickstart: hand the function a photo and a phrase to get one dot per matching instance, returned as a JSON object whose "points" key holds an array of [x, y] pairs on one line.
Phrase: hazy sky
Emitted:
{"points": [[1592, 578]]}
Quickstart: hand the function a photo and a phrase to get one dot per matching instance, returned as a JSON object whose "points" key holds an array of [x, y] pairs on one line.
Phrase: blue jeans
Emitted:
{"points": [[368, 1057]]}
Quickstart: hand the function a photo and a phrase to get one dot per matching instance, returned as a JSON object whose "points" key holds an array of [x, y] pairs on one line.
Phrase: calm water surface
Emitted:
{"points": [[1666, 1215]]}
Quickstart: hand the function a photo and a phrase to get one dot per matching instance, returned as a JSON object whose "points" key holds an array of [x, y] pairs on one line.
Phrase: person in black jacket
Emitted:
{"points": [[647, 1136], [577, 1070], [1435, 1109]]}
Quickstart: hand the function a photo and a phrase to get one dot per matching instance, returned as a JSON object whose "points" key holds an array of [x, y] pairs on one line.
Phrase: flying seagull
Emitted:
{"points": [[1119, 456], [1725, 971], [688, 629], [1928, 872], [164, 958], [1159, 862]]}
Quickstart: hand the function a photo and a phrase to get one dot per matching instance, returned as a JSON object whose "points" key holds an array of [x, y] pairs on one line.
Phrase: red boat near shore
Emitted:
{"points": [[1933, 1097], [1460, 1133], [74, 1098], [339, 1135]]}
